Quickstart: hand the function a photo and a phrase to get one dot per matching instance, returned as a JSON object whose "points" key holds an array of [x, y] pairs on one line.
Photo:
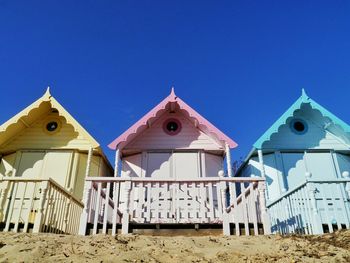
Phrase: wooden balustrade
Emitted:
{"points": [[37, 205], [306, 208], [112, 203]]}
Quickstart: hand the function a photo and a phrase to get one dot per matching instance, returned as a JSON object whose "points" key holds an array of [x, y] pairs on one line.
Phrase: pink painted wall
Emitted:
{"points": [[189, 137]]}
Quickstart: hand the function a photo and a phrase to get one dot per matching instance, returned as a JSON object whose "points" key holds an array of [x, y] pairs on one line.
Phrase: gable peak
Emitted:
{"points": [[304, 96], [172, 95]]}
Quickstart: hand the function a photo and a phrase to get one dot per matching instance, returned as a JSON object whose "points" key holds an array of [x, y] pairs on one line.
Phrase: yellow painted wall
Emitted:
{"points": [[7, 164], [35, 137]]}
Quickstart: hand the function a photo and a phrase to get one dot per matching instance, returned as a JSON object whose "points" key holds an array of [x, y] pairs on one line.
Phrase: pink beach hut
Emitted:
{"points": [[169, 173]]}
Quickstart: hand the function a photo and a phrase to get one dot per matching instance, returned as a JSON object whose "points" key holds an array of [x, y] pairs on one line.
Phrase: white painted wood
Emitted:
{"points": [[126, 215], [4, 187], [105, 216], [186, 165], [13, 199], [158, 165], [87, 200], [156, 202], [116, 163], [134, 165], [41, 209], [263, 209], [88, 162], [212, 164], [30, 207], [228, 160], [211, 202], [148, 213], [97, 208], [245, 212], [203, 197], [20, 207], [116, 206]]}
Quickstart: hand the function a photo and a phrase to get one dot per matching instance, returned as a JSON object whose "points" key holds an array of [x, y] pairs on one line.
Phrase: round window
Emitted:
{"points": [[172, 126], [299, 126], [52, 126]]}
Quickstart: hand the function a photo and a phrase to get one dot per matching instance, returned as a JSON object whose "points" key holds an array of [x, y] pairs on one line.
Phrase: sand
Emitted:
{"points": [[139, 248]]}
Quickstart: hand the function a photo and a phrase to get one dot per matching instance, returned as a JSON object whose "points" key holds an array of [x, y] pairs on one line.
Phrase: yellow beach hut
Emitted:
{"points": [[45, 156]]}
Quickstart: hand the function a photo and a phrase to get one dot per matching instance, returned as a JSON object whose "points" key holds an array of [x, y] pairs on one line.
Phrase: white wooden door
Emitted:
{"points": [[25, 195], [30, 164], [57, 166], [158, 165], [186, 165]]}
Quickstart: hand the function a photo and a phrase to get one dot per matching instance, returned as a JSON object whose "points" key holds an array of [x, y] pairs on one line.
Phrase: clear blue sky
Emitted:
{"points": [[239, 63]]}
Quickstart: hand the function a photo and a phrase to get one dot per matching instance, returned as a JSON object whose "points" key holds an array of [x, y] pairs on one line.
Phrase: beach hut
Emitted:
{"points": [[45, 155], [305, 158], [169, 173]]}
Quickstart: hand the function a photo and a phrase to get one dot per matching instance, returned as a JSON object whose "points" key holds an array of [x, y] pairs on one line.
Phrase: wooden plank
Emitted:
{"points": [[156, 196], [203, 197], [233, 201], [141, 201], [331, 230], [255, 210], [244, 205], [177, 200], [30, 208], [20, 207], [116, 206], [105, 216], [97, 208], [218, 196], [180, 180], [211, 202], [12, 203], [148, 213], [185, 202]]}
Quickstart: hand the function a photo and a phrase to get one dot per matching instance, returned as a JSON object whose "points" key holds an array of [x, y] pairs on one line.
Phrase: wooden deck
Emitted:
{"points": [[236, 205]]}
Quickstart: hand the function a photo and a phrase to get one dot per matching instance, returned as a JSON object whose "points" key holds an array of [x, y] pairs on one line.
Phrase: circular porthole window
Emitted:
{"points": [[52, 126], [298, 126], [172, 126]]}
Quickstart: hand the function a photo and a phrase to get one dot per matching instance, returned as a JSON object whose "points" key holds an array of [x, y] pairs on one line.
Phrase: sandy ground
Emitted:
{"points": [[138, 248]]}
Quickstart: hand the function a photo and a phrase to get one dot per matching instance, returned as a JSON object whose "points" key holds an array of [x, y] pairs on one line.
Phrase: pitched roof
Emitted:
{"points": [[33, 112], [202, 123], [304, 98]]}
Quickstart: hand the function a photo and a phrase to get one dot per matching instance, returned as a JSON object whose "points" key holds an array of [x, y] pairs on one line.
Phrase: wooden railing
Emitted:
{"points": [[236, 203], [37, 205], [313, 207]]}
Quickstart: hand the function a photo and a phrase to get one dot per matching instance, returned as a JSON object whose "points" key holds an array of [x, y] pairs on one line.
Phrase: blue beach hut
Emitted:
{"points": [[305, 158]]}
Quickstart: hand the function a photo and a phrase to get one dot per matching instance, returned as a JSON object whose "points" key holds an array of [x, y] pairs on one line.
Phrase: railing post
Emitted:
{"points": [[316, 217], [41, 211], [311, 192], [66, 215], [225, 214], [3, 194], [346, 175], [263, 209], [126, 216], [85, 213]]}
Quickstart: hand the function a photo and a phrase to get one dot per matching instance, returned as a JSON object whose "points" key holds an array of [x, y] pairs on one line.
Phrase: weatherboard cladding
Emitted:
{"points": [[188, 138], [335, 125], [171, 101]]}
